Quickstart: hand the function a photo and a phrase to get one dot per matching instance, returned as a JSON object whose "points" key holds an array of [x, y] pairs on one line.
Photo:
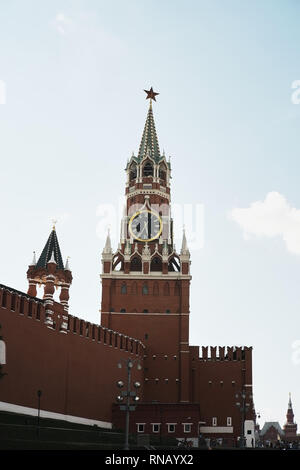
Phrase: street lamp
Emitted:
{"points": [[39, 394], [243, 406], [128, 395]]}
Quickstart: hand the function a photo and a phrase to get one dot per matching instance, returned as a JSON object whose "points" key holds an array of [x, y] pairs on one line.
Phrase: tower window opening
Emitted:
{"points": [[133, 173], [174, 265], [177, 289], [156, 264], [136, 264], [145, 290], [166, 289], [148, 169], [123, 310], [124, 289], [162, 174], [145, 311]]}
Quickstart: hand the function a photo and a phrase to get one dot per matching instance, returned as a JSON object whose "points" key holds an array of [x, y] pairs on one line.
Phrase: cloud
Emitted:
{"points": [[273, 217], [62, 23]]}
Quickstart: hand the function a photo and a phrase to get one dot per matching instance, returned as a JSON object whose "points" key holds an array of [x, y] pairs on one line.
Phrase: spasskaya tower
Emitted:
{"points": [[145, 282]]}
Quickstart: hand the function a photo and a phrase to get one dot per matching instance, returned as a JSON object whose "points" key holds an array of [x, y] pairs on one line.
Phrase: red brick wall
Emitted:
{"points": [[76, 373], [216, 380]]}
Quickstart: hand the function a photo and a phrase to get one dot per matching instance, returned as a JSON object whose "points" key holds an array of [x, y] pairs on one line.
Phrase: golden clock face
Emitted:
{"points": [[145, 226]]}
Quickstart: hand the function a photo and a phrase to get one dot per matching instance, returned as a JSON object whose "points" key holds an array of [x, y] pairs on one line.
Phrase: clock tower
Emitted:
{"points": [[146, 282]]}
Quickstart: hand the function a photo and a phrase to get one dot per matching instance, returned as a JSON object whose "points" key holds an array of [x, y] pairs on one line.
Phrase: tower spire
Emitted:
{"points": [[149, 141], [51, 250], [290, 402]]}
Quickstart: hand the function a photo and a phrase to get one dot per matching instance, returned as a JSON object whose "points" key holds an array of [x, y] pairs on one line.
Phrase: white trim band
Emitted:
{"points": [[11, 408]]}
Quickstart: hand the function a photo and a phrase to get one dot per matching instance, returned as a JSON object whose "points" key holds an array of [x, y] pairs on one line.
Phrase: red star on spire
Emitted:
{"points": [[151, 94]]}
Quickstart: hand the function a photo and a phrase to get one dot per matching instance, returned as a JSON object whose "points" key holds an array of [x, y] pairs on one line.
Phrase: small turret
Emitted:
{"points": [[50, 272], [184, 255], [107, 254]]}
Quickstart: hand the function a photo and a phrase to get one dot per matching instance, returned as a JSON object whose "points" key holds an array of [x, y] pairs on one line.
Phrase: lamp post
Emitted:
{"points": [[39, 393], [128, 395], [243, 406]]}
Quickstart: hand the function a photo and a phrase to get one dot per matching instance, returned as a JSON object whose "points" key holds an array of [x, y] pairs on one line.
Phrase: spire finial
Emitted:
{"points": [[151, 95], [33, 263], [107, 248], [67, 266], [184, 245], [54, 222]]}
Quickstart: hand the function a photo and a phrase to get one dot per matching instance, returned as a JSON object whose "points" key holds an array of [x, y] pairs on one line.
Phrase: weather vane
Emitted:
{"points": [[151, 94]]}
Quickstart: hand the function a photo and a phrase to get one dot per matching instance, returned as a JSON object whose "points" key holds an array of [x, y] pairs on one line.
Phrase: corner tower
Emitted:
{"points": [[145, 282]]}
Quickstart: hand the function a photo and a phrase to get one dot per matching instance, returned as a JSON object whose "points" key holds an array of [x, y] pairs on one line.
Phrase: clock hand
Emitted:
{"points": [[145, 228]]}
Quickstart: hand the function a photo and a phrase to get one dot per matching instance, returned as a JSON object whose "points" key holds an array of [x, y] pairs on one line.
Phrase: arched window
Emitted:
{"points": [[177, 288], [174, 265], [162, 173], [156, 264], [2, 352], [118, 263], [148, 169], [136, 264], [134, 288], [123, 288], [133, 173], [145, 290], [166, 289], [155, 289]]}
